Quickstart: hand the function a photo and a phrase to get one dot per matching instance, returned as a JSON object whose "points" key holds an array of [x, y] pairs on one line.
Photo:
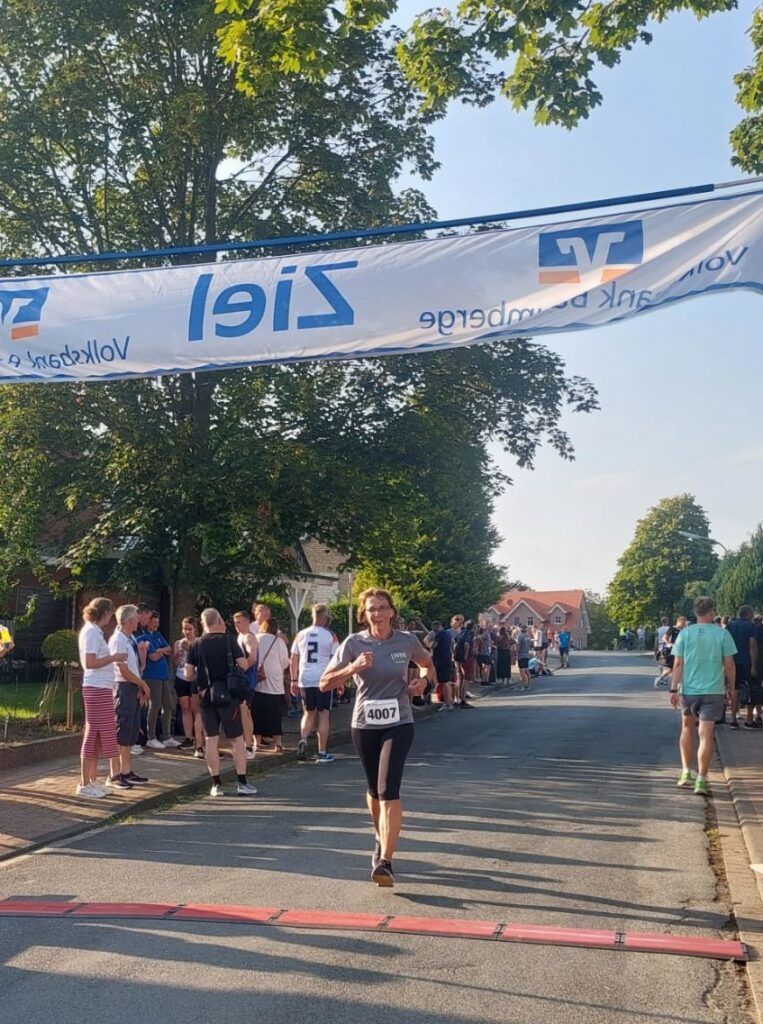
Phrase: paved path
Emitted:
{"points": [[557, 807]]}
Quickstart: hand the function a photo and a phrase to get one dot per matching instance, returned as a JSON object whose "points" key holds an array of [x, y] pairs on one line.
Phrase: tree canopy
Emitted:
{"points": [[658, 564], [539, 55], [739, 577], [124, 127]]}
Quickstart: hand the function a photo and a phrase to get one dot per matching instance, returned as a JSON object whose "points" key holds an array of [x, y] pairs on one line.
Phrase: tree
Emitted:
{"points": [[603, 629], [538, 55], [118, 122], [658, 564], [739, 577]]}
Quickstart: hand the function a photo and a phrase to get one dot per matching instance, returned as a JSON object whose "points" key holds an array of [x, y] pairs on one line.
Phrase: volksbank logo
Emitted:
{"points": [[26, 306], [565, 256]]}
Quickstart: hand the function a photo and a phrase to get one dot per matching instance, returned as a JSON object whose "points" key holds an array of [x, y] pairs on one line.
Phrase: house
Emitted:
{"points": [[561, 609]]}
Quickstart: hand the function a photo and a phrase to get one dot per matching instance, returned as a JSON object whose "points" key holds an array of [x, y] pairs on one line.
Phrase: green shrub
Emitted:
{"points": [[61, 647]]}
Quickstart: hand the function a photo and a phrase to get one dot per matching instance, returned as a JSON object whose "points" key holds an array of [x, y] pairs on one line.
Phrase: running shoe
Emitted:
{"points": [[700, 788], [245, 789], [302, 750], [324, 758], [686, 778], [90, 791], [199, 752], [187, 744], [135, 780], [734, 724], [118, 782], [250, 754], [217, 790], [383, 875], [155, 744], [171, 742], [376, 855], [136, 750], [470, 696]]}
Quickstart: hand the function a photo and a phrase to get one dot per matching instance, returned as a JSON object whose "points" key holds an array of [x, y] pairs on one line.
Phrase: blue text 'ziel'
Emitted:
{"points": [[248, 304]]}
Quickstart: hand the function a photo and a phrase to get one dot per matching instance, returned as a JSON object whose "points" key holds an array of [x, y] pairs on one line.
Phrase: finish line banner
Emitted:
{"points": [[377, 300]]}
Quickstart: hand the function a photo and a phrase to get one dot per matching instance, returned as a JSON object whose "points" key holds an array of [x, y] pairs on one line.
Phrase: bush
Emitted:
{"points": [[61, 647]]}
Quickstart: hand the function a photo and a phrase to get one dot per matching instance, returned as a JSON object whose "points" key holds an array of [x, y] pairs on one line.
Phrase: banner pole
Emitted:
{"points": [[389, 230]]}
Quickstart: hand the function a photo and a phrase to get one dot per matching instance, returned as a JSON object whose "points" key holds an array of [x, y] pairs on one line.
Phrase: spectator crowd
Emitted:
{"points": [[746, 630], [143, 692]]}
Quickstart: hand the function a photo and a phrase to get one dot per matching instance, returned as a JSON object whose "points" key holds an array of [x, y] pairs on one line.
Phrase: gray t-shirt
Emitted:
{"points": [[386, 679], [523, 646]]}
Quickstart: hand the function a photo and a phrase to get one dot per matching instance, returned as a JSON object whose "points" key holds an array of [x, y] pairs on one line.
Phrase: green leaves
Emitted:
{"points": [[659, 563], [739, 578]]}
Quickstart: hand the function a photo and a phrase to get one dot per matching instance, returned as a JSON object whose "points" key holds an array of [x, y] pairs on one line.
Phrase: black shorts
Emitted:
{"points": [[669, 660], [484, 659], [444, 673], [127, 711], [523, 662], [183, 688], [382, 753], [228, 717], [315, 699], [266, 712]]}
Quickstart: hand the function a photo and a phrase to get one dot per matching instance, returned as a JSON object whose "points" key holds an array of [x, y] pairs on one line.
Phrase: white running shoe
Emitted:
{"points": [[246, 789], [250, 754], [155, 744], [136, 750], [200, 753], [171, 742], [90, 791], [217, 790]]}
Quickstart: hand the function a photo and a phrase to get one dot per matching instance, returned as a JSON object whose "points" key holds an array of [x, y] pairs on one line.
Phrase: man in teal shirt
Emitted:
{"points": [[703, 674]]}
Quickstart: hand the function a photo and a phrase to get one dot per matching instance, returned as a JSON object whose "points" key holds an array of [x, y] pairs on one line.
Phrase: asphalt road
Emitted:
{"points": [[556, 807]]}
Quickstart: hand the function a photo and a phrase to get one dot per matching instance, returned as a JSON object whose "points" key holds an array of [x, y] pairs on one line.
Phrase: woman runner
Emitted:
{"points": [[382, 720]]}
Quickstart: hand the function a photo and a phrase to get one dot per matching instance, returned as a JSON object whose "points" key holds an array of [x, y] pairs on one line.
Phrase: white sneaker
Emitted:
{"points": [[136, 750], [217, 790], [171, 742], [90, 791], [155, 744], [200, 753], [250, 755], [246, 789], [658, 682]]}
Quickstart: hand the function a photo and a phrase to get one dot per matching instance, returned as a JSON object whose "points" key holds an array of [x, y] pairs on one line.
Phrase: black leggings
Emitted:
{"points": [[382, 753]]}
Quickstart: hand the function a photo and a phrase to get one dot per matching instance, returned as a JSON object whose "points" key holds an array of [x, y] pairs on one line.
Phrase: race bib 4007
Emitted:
{"points": [[382, 712]]}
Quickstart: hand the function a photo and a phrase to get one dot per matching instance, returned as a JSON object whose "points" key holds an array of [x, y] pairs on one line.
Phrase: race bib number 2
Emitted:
{"points": [[382, 712]]}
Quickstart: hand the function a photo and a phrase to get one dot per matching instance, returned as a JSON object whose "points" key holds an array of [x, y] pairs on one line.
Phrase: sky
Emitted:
{"points": [[680, 389]]}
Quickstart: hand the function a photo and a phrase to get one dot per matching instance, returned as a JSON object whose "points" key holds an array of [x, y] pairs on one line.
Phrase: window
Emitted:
{"points": [[530, 620], [557, 620], [517, 621]]}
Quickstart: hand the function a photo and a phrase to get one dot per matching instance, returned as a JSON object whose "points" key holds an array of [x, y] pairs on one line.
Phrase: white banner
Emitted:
{"points": [[377, 300]]}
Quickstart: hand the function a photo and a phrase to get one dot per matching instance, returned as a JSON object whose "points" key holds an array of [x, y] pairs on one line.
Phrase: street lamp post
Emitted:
{"points": [[698, 536]]}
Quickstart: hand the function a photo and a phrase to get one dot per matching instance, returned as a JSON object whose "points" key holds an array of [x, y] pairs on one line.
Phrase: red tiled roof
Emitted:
{"points": [[542, 602]]}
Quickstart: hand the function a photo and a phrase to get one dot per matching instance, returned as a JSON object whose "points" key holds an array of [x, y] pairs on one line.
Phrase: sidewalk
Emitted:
{"points": [[741, 754], [38, 804]]}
